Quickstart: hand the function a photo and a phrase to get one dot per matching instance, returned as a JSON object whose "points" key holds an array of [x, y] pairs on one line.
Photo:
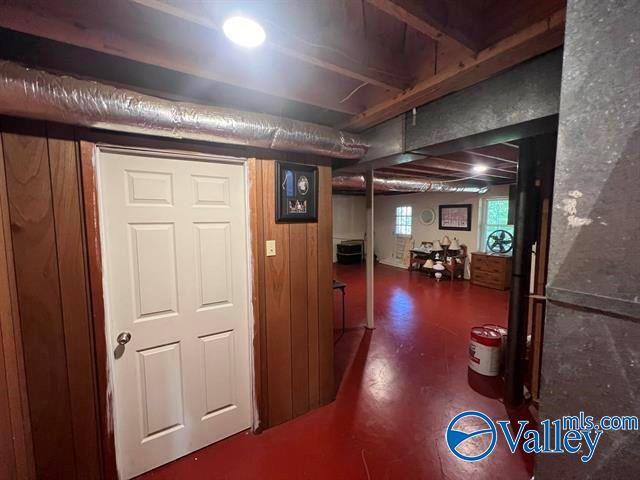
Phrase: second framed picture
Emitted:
{"points": [[455, 217], [296, 193]]}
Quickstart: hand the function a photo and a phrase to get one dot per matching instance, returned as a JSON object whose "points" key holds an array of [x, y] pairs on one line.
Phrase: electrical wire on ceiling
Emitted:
{"points": [[353, 92], [472, 177]]}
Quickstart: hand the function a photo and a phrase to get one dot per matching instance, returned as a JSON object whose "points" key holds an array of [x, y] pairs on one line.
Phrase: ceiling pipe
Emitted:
{"points": [[33, 93], [402, 185]]}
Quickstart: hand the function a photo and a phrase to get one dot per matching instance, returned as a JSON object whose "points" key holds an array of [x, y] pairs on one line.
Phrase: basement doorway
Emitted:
{"points": [[444, 264]]}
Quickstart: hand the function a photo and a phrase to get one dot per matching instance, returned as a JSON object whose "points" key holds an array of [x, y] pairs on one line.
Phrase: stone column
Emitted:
{"points": [[591, 352]]}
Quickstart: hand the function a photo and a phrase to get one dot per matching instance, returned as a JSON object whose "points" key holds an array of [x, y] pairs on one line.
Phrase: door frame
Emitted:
{"points": [[89, 151]]}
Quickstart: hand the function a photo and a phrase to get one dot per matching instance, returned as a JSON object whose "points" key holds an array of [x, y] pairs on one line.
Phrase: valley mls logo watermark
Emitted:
{"points": [[472, 435]]}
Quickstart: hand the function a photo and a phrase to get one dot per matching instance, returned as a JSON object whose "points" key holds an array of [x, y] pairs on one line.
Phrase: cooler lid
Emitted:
{"points": [[486, 336]]}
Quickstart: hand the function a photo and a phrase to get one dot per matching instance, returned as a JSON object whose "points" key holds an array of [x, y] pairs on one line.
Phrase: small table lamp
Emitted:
{"points": [[437, 248], [439, 268]]}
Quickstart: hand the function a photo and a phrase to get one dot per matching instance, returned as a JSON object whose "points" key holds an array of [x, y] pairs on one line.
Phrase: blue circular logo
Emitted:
{"points": [[471, 436]]}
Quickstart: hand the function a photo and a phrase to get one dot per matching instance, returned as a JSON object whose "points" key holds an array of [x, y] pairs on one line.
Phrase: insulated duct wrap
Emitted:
{"points": [[27, 92], [402, 185]]}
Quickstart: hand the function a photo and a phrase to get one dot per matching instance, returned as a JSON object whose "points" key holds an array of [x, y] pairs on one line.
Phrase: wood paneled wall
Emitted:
{"points": [[293, 302], [52, 353], [45, 213], [16, 453]]}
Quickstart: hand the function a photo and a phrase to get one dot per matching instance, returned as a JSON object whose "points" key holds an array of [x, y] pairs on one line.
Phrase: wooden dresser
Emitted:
{"points": [[491, 270]]}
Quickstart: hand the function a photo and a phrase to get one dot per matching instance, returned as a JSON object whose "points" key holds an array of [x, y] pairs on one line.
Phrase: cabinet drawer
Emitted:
{"points": [[490, 268], [488, 279], [488, 261]]}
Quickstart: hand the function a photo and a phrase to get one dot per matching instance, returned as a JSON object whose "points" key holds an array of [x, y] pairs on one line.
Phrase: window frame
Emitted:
{"points": [[482, 224], [407, 217]]}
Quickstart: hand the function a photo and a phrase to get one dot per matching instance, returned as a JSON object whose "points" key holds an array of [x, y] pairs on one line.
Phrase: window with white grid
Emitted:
{"points": [[403, 220], [495, 214]]}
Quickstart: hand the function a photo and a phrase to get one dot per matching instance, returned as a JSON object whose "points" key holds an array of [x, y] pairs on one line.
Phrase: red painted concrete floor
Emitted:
{"points": [[400, 385]]}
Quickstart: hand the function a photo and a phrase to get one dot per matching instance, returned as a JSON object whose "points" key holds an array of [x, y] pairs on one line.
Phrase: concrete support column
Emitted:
{"points": [[591, 348], [370, 248]]}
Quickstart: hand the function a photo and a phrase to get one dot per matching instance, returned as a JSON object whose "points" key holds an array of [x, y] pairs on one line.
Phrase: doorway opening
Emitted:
{"points": [[445, 232]]}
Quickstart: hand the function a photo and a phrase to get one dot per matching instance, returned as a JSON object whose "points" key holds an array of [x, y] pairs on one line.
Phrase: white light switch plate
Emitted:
{"points": [[271, 248]]}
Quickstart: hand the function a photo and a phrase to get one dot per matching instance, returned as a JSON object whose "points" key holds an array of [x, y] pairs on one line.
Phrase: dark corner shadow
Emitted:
{"points": [[346, 362], [490, 387], [515, 415], [493, 387]]}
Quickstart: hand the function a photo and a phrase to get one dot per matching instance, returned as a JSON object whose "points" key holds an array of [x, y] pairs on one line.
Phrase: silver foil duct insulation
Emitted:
{"points": [[32, 93], [402, 185]]}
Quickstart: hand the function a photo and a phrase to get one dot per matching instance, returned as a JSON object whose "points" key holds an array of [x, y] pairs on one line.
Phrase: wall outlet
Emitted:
{"points": [[271, 248]]}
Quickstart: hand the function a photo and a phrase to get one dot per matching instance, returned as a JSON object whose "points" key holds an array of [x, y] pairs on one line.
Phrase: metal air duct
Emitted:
{"points": [[32, 93], [402, 185]]}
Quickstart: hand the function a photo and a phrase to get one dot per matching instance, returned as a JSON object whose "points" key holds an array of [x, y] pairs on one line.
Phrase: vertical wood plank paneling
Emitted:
{"points": [[18, 432], [299, 329], [63, 159], [7, 453], [298, 316], [278, 314], [254, 170], [325, 288], [8, 466], [37, 281], [312, 314]]}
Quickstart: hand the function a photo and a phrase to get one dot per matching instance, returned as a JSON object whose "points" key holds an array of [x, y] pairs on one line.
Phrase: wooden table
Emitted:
{"points": [[417, 254]]}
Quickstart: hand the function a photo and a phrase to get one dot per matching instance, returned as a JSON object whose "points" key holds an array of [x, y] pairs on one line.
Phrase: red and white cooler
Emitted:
{"points": [[485, 350], [501, 330]]}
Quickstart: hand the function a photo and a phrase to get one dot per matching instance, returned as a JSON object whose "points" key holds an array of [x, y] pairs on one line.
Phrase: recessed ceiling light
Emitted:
{"points": [[244, 31], [479, 168]]}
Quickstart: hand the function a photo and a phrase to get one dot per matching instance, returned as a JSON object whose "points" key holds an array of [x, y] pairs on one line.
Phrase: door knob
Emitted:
{"points": [[124, 338]]}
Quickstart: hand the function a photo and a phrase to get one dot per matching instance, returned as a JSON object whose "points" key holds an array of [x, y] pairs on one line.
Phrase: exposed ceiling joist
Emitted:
{"points": [[380, 67], [468, 159], [504, 152], [528, 43], [415, 168], [416, 14], [408, 173], [217, 65], [401, 172], [464, 167]]}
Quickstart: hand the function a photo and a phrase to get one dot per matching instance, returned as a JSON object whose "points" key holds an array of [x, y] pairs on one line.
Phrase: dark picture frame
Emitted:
{"points": [[455, 217], [296, 193]]}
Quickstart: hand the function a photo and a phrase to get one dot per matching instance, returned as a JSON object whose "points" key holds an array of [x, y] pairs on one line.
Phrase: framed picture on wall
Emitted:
{"points": [[296, 193], [455, 217]]}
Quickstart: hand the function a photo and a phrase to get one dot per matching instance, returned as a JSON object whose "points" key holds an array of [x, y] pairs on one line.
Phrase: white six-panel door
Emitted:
{"points": [[175, 260]]}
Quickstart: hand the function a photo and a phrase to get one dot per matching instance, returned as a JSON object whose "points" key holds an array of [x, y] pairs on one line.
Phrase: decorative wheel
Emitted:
{"points": [[500, 241]]}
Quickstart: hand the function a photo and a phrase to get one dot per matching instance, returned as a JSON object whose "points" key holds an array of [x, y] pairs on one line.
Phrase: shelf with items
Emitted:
{"points": [[450, 255]]}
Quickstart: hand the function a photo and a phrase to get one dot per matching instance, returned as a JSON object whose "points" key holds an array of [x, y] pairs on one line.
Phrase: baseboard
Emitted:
{"points": [[392, 263]]}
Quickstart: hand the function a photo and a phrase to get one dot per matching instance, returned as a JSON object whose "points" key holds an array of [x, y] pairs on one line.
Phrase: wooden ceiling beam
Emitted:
{"points": [[465, 167], [468, 159], [380, 67], [528, 43], [398, 172], [416, 14], [417, 169], [32, 18], [412, 174], [504, 152]]}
